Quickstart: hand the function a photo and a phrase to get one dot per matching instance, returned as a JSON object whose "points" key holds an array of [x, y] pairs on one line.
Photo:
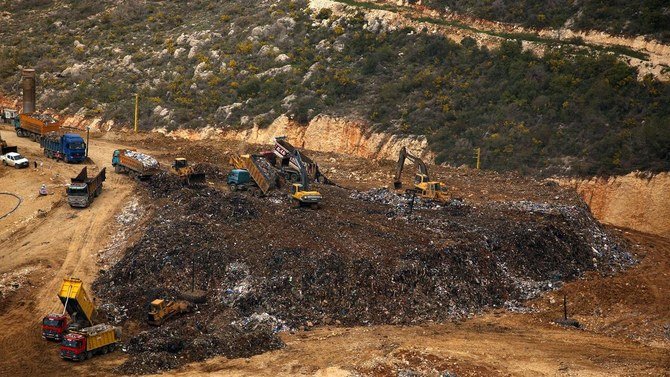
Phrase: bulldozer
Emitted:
{"points": [[300, 192], [423, 186], [184, 170], [162, 310]]}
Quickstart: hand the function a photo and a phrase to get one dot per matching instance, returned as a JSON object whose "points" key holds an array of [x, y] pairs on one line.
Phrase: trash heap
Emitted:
{"points": [[146, 160], [268, 267]]}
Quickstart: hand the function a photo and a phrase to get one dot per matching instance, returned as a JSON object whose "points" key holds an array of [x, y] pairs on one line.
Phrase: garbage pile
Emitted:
{"points": [[400, 201], [268, 267], [146, 160]]}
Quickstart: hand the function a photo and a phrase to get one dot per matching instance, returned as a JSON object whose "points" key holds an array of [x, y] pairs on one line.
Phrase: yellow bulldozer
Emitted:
{"points": [[183, 169], [162, 310], [423, 186]]}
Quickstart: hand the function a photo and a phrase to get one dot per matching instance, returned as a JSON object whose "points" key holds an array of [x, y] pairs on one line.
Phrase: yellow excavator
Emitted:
{"points": [[423, 186], [300, 192], [183, 169]]}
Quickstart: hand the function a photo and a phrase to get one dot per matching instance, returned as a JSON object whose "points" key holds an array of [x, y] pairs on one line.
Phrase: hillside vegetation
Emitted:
{"points": [[239, 63], [647, 17]]}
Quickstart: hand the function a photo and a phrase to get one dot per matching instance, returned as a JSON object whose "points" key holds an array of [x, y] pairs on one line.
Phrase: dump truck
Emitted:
{"points": [[262, 174], [84, 343], [288, 166], [35, 126], [135, 164], [300, 192], [82, 189], [162, 310], [76, 304], [423, 186], [68, 147], [184, 170]]}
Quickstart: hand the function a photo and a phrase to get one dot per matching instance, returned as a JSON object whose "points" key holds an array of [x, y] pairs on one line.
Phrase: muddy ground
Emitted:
{"points": [[624, 316]]}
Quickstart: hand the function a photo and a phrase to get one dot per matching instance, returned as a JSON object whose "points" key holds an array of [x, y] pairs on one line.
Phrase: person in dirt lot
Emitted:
{"points": [[43, 190]]}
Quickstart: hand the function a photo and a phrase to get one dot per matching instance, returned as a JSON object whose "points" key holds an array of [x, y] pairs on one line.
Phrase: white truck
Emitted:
{"points": [[14, 159]]}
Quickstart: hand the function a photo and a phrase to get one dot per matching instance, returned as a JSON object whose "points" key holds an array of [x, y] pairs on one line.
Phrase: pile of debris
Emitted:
{"points": [[267, 267], [146, 160], [401, 202]]}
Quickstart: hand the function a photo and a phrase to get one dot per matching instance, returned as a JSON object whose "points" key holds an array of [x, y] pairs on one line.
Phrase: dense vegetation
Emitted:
{"points": [[238, 63], [645, 17]]}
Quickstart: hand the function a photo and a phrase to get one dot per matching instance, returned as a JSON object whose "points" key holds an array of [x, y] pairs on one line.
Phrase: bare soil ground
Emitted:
{"points": [[625, 317]]}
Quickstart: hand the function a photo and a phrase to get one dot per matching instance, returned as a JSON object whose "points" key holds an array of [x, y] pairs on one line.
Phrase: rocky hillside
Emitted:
{"points": [[648, 17], [243, 64]]}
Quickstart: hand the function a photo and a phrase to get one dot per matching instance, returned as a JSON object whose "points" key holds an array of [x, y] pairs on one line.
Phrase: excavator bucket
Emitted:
{"points": [[397, 185]]}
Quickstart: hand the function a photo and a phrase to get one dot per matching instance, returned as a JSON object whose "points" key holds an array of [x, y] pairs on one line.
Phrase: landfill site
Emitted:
{"points": [[155, 255]]}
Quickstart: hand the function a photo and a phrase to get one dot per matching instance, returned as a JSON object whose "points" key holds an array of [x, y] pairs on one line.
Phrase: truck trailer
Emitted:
{"points": [[83, 344], [135, 164], [68, 147], [82, 190], [35, 126]]}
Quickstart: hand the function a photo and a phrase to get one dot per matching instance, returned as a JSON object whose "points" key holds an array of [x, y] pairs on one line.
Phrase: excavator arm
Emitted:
{"points": [[397, 182]]}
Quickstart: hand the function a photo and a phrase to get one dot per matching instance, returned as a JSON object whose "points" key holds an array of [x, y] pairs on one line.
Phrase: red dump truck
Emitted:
{"points": [[135, 164], [76, 303], [82, 190], [83, 344], [35, 126]]}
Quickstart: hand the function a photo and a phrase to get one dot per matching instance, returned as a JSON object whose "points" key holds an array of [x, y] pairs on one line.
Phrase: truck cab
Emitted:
{"points": [[73, 347], [237, 178], [54, 327], [115, 157], [77, 194], [74, 148]]}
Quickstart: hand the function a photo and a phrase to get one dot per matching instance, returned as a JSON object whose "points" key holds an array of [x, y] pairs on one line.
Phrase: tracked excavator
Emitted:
{"points": [[300, 191], [423, 186]]}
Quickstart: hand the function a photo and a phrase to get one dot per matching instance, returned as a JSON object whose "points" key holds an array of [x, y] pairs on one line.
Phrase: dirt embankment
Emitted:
{"points": [[324, 134], [629, 201]]}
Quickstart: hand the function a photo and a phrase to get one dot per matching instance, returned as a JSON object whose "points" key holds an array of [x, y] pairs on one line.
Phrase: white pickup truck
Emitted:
{"points": [[14, 159]]}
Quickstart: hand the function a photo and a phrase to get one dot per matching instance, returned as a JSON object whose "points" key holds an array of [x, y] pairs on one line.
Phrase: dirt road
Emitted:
{"points": [[55, 241]]}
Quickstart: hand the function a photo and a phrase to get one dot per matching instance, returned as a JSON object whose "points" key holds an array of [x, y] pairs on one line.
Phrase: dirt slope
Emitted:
{"points": [[631, 201]]}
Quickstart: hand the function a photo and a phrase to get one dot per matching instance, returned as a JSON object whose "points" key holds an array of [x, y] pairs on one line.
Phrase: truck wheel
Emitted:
{"points": [[117, 169], [89, 354], [104, 350], [233, 187]]}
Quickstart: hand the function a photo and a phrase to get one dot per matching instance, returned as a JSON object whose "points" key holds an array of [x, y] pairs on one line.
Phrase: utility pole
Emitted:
{"points": [[478, 154], [137, 109], [88, 131]]}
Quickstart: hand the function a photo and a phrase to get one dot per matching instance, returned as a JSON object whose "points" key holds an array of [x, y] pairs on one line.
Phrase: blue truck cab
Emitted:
{"points": [[239, 179], [68, 147]]}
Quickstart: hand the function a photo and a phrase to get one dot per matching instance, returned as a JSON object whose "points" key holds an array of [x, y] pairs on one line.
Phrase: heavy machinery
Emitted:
{"points": [[288, 165], [76, 303], [184, 170], [423, 186], [82, 190], [162, 310], [4, 148], [260, 178], [300, 191], [68, 147], [84, 343], [135, 164]]}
